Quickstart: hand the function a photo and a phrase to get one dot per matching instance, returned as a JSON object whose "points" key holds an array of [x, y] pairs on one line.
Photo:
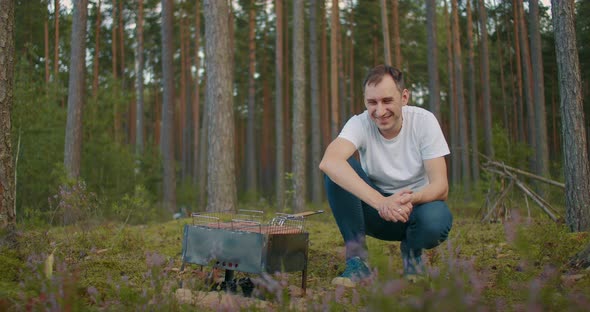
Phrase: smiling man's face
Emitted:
{"points": [[384, 103]]}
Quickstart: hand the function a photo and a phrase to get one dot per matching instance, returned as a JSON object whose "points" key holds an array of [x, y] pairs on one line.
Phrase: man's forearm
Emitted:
{"points": [[344, 175], [432, 192]]}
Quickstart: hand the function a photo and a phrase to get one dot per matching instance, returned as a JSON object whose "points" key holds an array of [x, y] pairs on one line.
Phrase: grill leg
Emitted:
{"points": [[229, 275], [304, 280]]}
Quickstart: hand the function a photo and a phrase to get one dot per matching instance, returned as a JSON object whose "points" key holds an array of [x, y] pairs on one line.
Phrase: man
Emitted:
{"points": [[397, 191]]}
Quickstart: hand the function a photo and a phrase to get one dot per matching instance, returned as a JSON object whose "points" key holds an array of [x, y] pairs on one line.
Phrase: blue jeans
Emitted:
{"points": [[429, 224]]}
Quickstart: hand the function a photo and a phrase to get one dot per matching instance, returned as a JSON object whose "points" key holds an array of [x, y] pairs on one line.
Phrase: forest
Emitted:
{"points": [[121, 120]]}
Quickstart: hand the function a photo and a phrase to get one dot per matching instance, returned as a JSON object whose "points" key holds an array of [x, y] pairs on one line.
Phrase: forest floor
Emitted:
{"points": [[518, 265]]}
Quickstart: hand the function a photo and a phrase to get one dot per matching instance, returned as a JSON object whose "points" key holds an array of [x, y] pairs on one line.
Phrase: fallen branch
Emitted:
{"points": [[544, 205], [524, 173]]}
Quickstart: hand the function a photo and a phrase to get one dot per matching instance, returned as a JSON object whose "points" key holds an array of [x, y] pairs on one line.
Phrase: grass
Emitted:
{"points": [[516, 265]]}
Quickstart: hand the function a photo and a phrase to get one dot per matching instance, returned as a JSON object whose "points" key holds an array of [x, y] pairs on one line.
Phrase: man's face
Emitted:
{"points": [[384, 103]]}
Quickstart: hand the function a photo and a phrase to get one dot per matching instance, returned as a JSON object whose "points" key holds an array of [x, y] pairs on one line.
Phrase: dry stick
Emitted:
{"points": [[532, 194], [541, 199], [528, 208], [500, 198]]}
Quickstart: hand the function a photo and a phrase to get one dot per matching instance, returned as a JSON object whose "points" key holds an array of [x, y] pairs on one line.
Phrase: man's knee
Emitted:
{"points": [[434, 221]]}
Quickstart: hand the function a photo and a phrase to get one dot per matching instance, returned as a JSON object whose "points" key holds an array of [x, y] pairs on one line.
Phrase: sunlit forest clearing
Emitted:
{"points": [[125, 125]]}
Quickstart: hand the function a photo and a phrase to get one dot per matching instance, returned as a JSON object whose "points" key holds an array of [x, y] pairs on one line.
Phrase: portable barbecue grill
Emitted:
{"points": [[243, 242]]}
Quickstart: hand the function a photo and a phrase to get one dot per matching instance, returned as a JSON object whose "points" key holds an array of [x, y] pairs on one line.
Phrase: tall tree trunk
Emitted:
{"points": [[73, 142], [341, 78], [139, 81], [452, 102], [185, 107], [7, 185], [520, 119], [299, 111], [97, 50], [251, 169], [385, 27], [505, 105], [472, 96], [462, 122], [197, 96], [485, 81], [167, 137], [46, 45], [158, 117], [56, 43], [266, 152], [325, 90], [541, 149], [203, 161], [433, 81], [316, 149], [396, 37], [334, 34], [221, 187], [287, 94], [527, 76], [114, 40], [280, 142], [351, 81], [121, 37], [576, 166]]}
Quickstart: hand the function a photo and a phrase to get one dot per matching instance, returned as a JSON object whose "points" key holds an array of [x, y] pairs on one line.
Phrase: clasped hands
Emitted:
{"points": [[397, 207]]}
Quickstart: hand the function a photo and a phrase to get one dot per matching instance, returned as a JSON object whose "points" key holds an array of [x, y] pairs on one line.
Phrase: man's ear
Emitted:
{"points": [[405, 97]]}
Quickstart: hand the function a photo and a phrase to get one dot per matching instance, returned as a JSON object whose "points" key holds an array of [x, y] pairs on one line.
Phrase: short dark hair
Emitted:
{"points": [[377, 73]]}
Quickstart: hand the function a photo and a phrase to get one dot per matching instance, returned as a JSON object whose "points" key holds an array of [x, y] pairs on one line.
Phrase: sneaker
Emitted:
{"points": [[412, 261], [356, 271]]}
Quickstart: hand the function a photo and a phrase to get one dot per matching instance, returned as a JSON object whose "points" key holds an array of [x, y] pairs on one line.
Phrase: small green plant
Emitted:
{"points": [[73, 203]]}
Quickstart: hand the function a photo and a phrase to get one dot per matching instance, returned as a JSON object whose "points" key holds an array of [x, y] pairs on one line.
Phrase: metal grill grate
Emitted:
{"points": [[250, 221]]}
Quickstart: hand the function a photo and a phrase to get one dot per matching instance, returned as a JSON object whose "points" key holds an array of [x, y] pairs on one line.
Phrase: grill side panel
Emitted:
{"points": [[223, 248], [286, 252]]}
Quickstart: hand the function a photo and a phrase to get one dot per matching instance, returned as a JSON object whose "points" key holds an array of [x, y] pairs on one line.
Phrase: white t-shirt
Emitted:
{"points": [[398, 163]]}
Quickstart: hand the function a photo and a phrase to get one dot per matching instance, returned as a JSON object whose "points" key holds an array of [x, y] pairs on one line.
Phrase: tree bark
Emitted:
{"points": [[197, 97], [46, 45], [73, 141], [316, 150], [251, 168], [7, 187], [527, 80], [325, 90], [520, 119], [280, 142], [299, 109], [139, 81], [121, 38], [114, 41], [541, 148], [396, 37], [433, 80], [472, 96], [576, 166], [462, 122], [167, 133], [221, 187], [385, 31], [56, 43], [452, 102], [96, 51], [485, 81], [334, 67]]}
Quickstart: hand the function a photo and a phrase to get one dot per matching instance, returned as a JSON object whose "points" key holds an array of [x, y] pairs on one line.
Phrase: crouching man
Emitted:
{"points": [[398, 190]]}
